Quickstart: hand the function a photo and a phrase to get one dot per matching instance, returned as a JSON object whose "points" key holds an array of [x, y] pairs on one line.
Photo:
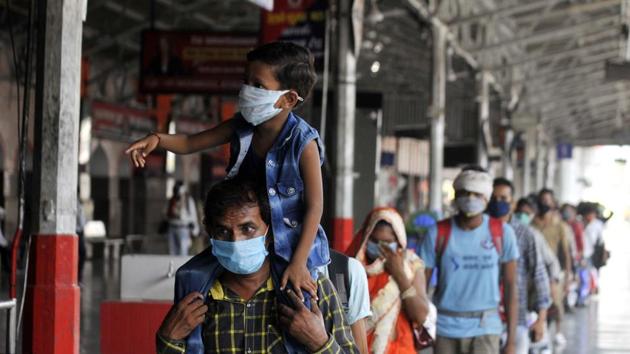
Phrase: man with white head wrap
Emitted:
{"points": [[471, 250]]}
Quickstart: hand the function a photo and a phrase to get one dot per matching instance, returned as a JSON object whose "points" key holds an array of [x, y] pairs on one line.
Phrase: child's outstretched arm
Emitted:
{"points": [[297, 272], [180, 143]]}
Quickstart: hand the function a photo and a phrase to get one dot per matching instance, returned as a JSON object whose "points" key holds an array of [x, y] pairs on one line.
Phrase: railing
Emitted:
{"points": [[11, 307]]}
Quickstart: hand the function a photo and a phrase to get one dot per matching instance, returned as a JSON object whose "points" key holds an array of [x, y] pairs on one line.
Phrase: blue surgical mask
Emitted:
{"points": [[241, 257], [498, 208], [373, 249], [470, 205], [523, 218], [257, 104]]}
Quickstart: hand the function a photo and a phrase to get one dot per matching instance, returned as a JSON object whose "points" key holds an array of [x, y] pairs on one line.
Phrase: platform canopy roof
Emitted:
{"points": [[560, 63]]}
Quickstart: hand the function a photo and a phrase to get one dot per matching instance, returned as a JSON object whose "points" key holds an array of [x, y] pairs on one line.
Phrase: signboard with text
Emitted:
{"points": [[194, 62], [299, 21], [120, 123]]}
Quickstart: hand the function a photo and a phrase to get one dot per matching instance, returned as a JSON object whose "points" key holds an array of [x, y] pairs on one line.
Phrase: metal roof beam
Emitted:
{"points": [[593, 62], [575, 94], [601, 44], [554, 34], [506, 11], [571, 10]]}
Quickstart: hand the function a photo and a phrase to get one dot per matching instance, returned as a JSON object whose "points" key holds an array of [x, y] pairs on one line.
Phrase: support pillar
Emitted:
{"points": [[507, 168], [483, 118], [541, 152], [52, 295], [344, 138], [438, 107], [527, 163]]}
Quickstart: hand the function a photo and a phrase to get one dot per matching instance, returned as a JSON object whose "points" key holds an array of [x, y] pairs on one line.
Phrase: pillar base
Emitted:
{"points": [[342, 233], [52, 308]]}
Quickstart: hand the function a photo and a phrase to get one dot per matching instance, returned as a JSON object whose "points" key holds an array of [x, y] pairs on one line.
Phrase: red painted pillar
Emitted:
{"points": [[342, 233], [52, 296]]}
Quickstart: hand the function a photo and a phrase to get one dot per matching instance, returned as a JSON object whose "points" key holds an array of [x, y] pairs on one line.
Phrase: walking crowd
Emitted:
{"points": [[496, 276]]}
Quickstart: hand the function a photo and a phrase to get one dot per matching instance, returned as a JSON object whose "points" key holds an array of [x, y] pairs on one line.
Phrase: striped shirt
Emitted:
{"points": [[234, 325], [532, 279]]}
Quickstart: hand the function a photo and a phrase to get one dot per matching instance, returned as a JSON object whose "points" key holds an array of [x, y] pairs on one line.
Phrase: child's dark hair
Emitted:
{"points": [[292, 64], [234, 193]]}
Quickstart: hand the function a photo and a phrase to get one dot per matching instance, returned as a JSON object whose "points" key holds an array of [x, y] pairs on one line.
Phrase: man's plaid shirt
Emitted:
{"points": [[233, 325]]}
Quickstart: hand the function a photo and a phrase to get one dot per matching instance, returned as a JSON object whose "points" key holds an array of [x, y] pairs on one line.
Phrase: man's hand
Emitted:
{"points": [[539, 330], [304, 325], [509, 349], [300, 278], [184, 317]]}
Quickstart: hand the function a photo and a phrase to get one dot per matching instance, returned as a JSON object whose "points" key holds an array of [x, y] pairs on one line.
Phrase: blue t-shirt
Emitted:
{"points": [[469, 278]]}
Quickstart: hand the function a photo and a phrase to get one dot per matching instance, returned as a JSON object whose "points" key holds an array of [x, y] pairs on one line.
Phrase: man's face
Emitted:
{"points": [[502, 193], [239, 224], [547, 199]]}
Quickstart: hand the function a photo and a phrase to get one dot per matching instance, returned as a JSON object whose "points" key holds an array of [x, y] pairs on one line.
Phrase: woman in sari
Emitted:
{"points": [[395, 281]]}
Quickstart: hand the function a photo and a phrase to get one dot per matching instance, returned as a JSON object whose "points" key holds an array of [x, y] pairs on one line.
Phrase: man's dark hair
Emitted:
{"points": [[234, 193], [523, 202], [292, 64], [546, 191], [500, 181]]}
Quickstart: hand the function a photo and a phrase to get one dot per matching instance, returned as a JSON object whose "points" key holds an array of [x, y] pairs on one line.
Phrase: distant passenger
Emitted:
{"points": [[533, 279], [549, 223], [471, 250], [182, 220], [395, 281]]}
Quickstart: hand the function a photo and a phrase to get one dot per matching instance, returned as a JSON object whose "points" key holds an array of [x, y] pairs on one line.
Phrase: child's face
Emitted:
{"points": [[261, 75]]}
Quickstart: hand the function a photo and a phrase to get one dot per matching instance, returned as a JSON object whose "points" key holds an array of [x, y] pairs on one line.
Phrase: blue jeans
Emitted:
{"points": [[178, 240]]}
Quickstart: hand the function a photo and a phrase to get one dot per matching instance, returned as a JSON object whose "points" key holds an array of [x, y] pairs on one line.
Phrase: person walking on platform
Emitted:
{"points": [[471, 250], [533, 280], [182, 220], [549, 224]]}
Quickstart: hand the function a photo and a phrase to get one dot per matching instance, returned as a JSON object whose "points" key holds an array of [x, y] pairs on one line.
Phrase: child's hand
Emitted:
{"points": [[300, 278], [141, 148]]}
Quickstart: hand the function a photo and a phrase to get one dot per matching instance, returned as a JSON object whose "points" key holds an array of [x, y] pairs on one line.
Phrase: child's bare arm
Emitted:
{"points": [[180, 143], [311, 172]]}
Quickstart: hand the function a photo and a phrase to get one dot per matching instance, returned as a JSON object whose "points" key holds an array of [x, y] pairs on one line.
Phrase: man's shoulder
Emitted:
{"points": [[325, 285]]}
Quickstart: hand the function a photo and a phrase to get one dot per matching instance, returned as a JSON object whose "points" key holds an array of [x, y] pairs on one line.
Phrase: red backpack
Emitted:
{"points": [[496, 231]]}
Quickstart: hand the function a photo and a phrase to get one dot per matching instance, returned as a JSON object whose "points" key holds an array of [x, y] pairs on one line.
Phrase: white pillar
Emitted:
{"points": [[437, 118], [507, 167], [344, 140], [483, 118]]}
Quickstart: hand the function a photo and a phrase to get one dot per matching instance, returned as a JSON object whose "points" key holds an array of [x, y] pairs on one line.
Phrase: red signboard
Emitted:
{"points": [[299, 21], [122, 123], [194, 62]]}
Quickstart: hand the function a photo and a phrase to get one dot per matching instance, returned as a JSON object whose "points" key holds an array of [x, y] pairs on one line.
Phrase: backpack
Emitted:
{"points": [[339, 276], [444, 234]]}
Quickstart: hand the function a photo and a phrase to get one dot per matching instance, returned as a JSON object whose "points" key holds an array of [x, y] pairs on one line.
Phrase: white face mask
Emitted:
{"points": [[257, 104]]}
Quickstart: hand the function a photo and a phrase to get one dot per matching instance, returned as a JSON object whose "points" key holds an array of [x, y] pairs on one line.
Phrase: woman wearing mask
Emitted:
{"points": [[395, 280]]}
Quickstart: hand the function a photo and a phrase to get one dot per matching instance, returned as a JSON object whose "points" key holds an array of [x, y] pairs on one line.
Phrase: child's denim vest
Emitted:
{"points": [[284, 184]]}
